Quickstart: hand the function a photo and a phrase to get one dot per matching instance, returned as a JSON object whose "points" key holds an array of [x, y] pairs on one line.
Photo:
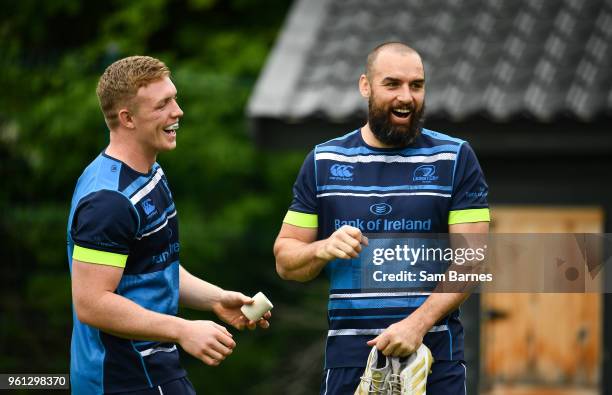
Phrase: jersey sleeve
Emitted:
{"points": [[103, 228], [303, 209], [470, 190]]}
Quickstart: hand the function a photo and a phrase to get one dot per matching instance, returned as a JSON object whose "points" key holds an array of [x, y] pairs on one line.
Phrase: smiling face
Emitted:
{"points": [[155, 116], [395, 89]]}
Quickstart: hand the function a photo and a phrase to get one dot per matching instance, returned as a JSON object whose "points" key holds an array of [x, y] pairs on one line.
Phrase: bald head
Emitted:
{"points": [[392, 46]]}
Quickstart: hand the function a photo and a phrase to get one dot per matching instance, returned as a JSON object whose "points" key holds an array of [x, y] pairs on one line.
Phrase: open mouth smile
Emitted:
{"points": [[171, 129], [401, 112]]}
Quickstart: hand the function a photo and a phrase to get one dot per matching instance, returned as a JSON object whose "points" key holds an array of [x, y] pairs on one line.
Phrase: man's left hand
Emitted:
{"points": [[228, 310], [400, 339]]}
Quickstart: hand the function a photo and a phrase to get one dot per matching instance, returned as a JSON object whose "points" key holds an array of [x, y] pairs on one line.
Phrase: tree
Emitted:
{"points": [[230, 196]]}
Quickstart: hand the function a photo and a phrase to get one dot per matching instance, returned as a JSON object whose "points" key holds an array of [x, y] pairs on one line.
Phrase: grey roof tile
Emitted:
{"points": [[604, 23], [306, 103], [502, 58]]}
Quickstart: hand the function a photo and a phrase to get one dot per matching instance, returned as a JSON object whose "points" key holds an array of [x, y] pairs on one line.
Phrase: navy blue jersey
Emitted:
{"points": [[123, 218], [424, 188]]}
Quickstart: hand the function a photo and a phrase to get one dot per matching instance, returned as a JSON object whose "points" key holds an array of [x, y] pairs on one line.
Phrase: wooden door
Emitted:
{"points": [[544, 344]]}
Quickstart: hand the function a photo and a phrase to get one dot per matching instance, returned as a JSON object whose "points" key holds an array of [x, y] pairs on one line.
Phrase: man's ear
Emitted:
{"points": [[364, 86], [126, 119]]}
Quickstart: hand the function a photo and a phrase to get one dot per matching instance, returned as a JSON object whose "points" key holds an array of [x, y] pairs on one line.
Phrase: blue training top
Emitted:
{"points": [[424, 188], [120, 217]]}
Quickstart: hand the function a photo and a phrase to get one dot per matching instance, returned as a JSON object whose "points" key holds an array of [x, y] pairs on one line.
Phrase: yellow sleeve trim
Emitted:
{"points": [[100, 257], [301, 219], [466, 216]]}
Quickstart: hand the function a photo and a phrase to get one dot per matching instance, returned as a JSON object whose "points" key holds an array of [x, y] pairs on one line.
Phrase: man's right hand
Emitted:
{"points": [[345, 243], [206, 340]]}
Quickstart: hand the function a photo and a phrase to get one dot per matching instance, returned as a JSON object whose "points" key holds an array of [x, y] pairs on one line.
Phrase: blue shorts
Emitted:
{"points": [[447, 378], [180, 386]]}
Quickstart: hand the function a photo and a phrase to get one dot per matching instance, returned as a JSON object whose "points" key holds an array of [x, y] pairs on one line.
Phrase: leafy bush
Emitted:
{"points": [[230, 196]]}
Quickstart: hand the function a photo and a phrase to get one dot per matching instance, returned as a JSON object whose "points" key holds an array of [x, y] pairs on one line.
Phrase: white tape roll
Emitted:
{"points": [[256, 310]]}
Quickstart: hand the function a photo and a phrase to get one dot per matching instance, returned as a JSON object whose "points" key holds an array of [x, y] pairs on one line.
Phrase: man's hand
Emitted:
{"points": [[228, 310], [301, 257], [400, 339], [345, 243], [208, 341]]}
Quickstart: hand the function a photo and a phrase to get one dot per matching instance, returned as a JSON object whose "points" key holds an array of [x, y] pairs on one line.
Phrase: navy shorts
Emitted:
{"points": [[180, 386], [447, 378]]}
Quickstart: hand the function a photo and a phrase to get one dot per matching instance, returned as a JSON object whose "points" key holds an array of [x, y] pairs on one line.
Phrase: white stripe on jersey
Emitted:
{"points": [[160, 227], [377, 294], [148, 187], [383, 194], [385, 158], [150, 351], [326, 380]]}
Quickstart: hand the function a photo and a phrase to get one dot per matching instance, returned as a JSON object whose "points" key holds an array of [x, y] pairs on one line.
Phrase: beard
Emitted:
{"points": [[379, 119]]}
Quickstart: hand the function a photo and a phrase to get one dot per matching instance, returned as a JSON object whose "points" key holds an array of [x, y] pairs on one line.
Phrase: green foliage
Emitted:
{"points": [[230, 196]]}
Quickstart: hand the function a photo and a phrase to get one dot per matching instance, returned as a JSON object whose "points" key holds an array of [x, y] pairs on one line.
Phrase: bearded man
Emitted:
{"points": [[389, 176]]}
